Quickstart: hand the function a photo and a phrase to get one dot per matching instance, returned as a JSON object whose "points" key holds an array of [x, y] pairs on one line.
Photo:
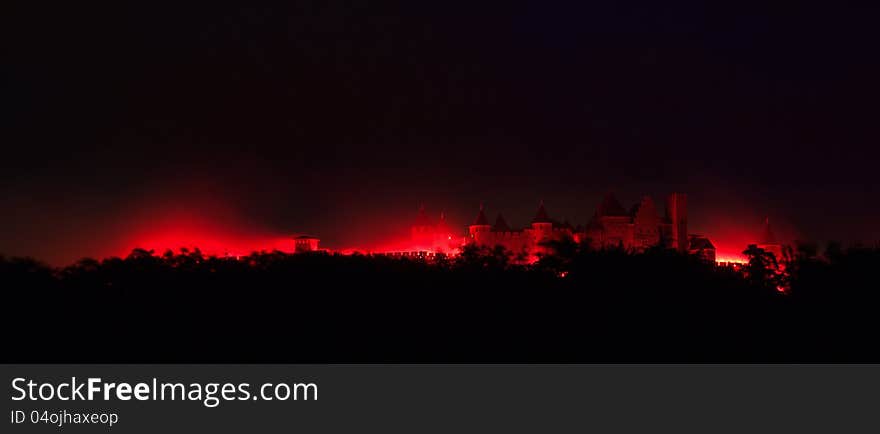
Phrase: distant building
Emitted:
{"points": [[524, 242], [434, 237], [699, 245], [640, 228], [768, 241], [306, 243], [611, 226]]}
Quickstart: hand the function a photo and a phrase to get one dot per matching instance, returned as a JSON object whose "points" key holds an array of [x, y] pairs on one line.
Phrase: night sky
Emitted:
{"points": [[340, 118]]}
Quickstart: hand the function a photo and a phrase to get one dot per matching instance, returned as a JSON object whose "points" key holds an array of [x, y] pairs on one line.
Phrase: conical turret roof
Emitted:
{"points": [[422, 219], [610, 207], [481, 219], [501, 224], [442, 224], [541, 216], [700, 243], [767, 236]]}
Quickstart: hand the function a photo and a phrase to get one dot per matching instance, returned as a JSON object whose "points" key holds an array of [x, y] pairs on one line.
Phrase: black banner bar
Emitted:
{"points": [[441, 398]]}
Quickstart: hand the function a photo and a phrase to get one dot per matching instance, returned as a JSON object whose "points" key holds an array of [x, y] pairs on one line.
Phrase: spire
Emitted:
{"points": [[481, 219], [541, 216], [441, 224], [422, 219], [501, 224], [767, 237]]}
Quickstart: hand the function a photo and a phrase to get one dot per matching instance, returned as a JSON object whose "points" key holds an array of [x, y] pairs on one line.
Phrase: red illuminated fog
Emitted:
{"points": [[219, 228], [210, 239], [213, 227]]}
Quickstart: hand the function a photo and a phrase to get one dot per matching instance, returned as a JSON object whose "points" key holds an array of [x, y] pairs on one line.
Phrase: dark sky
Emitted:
{"points": [[339, 118]]}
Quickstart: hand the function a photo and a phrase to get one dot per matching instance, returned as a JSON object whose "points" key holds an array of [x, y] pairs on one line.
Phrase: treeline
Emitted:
{"points": [[573, 305]]}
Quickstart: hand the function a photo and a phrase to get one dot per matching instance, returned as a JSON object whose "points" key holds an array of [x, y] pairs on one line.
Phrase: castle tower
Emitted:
{"points": [[442, 227], [422, 230], [610, 207], [676, 213], [594, 232], [479, 230], [646, 221], [616, 223], [542, 225], [501, 224], [768, 241], [443, 236]]}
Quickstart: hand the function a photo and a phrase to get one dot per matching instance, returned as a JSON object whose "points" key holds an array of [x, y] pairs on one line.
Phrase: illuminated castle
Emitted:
{"points": [[433, 237], [522, 242], [612, 226]]}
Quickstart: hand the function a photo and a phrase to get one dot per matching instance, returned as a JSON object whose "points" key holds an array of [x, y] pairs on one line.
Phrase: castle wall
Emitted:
{"points": [[595, 238], [515, 241], [524, 243], [481, 234], [612, 227], [646, 226], [618, 232]]}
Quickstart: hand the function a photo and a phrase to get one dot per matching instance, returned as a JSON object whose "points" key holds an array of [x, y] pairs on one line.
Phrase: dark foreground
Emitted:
{"points": [[272, 307]]}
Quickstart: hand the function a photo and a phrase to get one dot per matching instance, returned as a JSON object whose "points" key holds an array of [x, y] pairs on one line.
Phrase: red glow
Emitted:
{"points": [[736, 226], [187, 220], [214, 243], [730, 241], [731, 259], [215, 230], [401, 245]]}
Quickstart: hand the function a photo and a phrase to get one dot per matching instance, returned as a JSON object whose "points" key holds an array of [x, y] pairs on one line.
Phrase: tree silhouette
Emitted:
{"points": [[561, 253], [762, 266], [482, 305]]}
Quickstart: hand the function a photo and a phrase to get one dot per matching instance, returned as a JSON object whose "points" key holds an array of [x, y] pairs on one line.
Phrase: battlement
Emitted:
{"points": [[611, 226]]}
